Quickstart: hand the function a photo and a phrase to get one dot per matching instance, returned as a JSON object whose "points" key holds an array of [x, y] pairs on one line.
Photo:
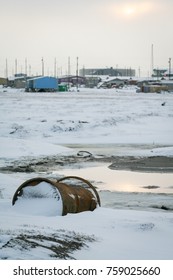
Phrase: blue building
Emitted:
{"points": [[39, 84]]}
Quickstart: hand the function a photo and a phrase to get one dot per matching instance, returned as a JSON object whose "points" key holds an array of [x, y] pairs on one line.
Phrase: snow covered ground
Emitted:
{"points": [[88, 116], [43, 124]]}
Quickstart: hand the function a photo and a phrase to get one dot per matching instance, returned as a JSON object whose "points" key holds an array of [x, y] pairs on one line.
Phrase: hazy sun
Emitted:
{"points": [[131, 11]]}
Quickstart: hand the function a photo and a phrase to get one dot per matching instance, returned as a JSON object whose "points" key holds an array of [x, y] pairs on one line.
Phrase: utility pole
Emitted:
{"points": [[69, 70], [6, 69], [83, 72], [26, 66], [139, 71], [169, 61], [42, 63], [77, 74], [55, 68], [16, 66], [130, 72], [29, 70], [69, 67], [152, 60]]}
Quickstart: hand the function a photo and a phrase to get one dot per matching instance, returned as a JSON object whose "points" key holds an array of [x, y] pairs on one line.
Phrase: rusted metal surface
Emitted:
{"points": [[75, 197]]}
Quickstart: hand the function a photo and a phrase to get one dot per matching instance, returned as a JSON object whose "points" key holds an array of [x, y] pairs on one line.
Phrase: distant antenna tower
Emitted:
{"points": [[69, 72], [83, 71], [42, 63], [55, 68], [152, 60], [77, 73], [169, 61], [29, 70], [16, 66], [6, 69], [69, 67], [139, 71], [26, 68]]}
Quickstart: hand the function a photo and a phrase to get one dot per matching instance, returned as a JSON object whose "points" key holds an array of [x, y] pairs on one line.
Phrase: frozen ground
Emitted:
{"points": [[93, 116], [36, 125]]}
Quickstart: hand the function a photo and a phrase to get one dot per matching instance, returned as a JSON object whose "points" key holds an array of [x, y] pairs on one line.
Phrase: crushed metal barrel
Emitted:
{"points": [[73, 197]]}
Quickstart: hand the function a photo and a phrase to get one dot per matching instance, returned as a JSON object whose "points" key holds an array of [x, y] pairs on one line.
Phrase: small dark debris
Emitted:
{"points": [[151, 187], [84, 154], [164, 207], [147, 226], [83, 122]]}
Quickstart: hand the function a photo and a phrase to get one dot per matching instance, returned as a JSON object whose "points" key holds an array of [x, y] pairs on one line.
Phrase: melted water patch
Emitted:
{"points": [[124, 181], [128, 189]]}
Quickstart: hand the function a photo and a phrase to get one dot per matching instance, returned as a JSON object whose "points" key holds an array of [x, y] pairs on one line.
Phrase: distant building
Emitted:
{"points": [[169, 73], [112, 83], [3, 81], [73, 80], [154, 88], [168, 84], [162, 73], [17, 81], [42, 83], [127, 72], [159, 72], [20, 75], [92, 81]]}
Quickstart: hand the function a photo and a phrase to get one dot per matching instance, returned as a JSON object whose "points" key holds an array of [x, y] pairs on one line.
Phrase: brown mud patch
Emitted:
{"points": [[160, 164], [144, 164]]}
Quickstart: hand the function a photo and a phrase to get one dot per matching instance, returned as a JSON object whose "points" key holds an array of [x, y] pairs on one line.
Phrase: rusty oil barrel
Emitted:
{"points": [[75, 198]]}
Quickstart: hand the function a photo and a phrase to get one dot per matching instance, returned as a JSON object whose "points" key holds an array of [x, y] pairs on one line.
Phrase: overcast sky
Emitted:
{"points": [[102, 33]]}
